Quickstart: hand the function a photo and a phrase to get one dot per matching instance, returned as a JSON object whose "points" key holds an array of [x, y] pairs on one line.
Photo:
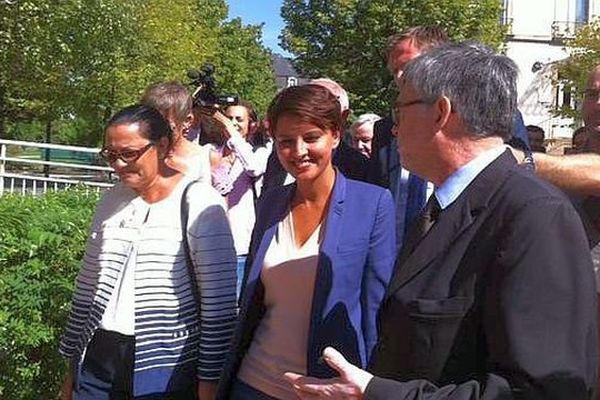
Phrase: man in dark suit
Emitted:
{"points": [[493, 294], [409, 191]]}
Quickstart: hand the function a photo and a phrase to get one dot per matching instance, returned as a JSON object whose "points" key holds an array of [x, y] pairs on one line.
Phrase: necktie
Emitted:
{"points": [[420, 227]]}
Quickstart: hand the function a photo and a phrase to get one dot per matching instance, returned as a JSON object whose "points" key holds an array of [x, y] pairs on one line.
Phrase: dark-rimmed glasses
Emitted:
{"points": [[397, 108], [127, 156], [410, 103]]}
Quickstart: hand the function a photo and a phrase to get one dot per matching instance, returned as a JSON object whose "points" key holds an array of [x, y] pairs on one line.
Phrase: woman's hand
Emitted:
{"points": [[229, 127], [66, 391]]}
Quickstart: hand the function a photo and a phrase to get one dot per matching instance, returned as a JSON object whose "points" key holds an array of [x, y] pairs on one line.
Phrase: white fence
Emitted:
{"points": [[17, 175]]}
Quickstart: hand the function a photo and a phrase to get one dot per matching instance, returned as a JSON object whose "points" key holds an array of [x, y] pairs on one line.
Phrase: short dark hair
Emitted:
{"points": [[171, 98], [578, 131], [424, 37], [311, 103], [152, 124], [535, 128]]}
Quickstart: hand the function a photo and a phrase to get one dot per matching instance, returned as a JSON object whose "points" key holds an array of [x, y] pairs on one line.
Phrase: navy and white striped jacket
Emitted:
{"points": [[173, 344]]}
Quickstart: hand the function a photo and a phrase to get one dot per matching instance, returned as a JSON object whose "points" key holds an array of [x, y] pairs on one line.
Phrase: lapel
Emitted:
{"points": [[334, 214], [393, 167], [324, 277], [453, 221]]}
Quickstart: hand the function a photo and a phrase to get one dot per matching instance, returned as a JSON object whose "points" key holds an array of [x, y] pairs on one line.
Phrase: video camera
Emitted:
{"points": [[206, 94]]}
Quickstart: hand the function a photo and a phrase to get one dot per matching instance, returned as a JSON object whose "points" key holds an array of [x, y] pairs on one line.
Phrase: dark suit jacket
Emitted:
{"points": [[496, 302], [356, 259], [385, 161]]}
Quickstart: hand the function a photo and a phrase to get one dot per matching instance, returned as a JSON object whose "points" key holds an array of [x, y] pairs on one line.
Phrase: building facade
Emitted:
{"points": [[537, 30]]}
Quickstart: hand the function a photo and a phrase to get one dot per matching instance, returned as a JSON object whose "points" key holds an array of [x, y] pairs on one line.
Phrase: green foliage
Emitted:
{"points": [[345, 39], [573, 72], [41, 243], [76, 62], [243, 65]]}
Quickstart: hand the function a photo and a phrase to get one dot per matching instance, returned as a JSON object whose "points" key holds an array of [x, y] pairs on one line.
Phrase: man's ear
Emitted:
{"points": [[443, 108]]}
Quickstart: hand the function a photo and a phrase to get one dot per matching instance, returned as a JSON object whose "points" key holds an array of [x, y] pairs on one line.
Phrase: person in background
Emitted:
{"points": [[489, 299], [410, 191], [578, 141], [236, 176], [361, 132], [151, 319], [536, 137], [174, 102], [321, 256]]}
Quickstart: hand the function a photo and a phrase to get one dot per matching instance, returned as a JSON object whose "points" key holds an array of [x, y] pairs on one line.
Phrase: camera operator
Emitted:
{"points": [[243, 161]]}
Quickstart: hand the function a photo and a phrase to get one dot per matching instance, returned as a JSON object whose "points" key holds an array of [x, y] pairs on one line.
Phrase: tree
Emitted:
{"points": [[573, 72], [76, 62], [244, 65], [345, 39], [60, 57]]}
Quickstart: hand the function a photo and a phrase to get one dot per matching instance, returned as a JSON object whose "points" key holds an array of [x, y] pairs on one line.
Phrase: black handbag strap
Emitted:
{"points": [[186, 245]]}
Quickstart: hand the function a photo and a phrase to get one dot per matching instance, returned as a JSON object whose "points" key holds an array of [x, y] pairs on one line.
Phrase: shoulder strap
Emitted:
{"points": [[186, 245]]}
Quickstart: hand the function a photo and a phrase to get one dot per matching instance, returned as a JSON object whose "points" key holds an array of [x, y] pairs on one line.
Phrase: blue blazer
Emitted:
{"points": [[356, 259]]}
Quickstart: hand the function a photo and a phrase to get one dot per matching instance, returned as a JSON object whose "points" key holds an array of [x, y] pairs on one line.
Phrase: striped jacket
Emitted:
{"points": [[173, 344]]}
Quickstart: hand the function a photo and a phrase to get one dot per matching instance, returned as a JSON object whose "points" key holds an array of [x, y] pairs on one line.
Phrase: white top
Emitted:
{"points": [[236, 181], [119, 315], [280, 341]]}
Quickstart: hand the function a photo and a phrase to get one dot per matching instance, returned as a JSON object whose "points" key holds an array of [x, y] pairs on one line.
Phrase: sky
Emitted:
{"points": [[254, 12]]}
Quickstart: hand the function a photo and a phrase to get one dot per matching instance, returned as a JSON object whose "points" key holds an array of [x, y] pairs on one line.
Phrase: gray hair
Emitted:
{"points": [[363, 119], [480, 84]]}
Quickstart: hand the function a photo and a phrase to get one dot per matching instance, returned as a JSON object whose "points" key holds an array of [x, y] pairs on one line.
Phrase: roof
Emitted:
{"points": [[283, 66]]}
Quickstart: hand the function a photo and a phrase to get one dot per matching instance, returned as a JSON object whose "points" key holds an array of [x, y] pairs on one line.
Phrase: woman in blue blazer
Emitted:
{"points": [[322, 253]]}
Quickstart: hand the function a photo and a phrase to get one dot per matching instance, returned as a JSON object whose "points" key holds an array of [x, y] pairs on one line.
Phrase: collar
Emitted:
{"points": [[456, 183]]}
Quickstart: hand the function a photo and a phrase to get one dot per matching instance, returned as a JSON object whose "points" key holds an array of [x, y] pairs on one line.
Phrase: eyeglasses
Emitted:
{"points": [[410, 103], [398, 106], [127, 156]]}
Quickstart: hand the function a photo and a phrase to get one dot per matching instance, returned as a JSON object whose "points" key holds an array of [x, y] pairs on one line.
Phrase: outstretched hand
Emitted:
{"points": [[351, 383]]}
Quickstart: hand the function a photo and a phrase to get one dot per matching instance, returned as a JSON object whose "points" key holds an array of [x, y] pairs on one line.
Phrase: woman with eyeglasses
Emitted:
{"points": [[321, 256], [155, 300]]}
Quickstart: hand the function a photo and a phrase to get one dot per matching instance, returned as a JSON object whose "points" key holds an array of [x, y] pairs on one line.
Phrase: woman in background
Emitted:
{"points": [[237, 176], [174, 102], [321, 256], [139, 325]]}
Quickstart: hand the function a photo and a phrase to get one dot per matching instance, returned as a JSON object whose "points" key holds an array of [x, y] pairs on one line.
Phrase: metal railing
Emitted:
{"points": [[17, 176]]}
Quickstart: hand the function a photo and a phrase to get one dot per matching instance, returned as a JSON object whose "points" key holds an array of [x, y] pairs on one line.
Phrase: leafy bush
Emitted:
{"points": [[41, 243]]}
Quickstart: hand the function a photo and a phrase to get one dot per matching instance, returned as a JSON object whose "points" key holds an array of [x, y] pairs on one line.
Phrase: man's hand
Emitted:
{"points": [[351, 384]]}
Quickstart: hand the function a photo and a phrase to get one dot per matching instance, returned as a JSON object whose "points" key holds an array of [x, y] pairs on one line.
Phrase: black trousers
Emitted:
{"points": [[107, 371]]}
